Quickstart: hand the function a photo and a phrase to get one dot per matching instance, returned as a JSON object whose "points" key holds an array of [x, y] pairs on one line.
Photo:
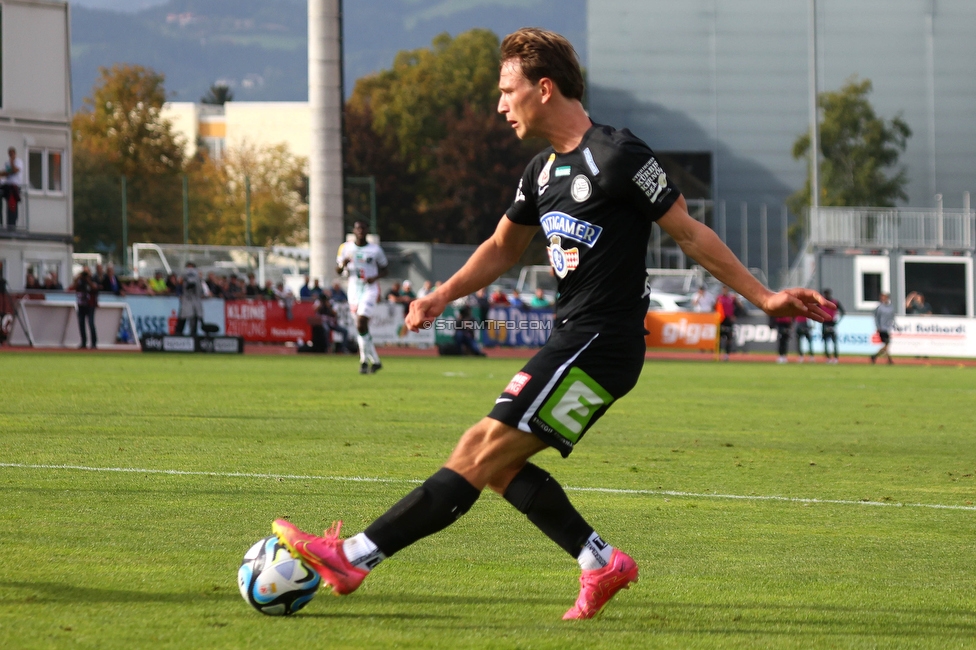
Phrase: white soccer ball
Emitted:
{"points": [[273, 582]]}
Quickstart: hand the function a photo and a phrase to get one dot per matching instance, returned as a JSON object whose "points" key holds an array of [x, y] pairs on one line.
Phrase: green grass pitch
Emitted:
{"points": [[108, 559]]}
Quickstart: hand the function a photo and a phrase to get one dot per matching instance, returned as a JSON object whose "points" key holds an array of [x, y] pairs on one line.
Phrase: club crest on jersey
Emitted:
{"points": [[544, 174], [580, 188], [562, 260], [563, 225]]}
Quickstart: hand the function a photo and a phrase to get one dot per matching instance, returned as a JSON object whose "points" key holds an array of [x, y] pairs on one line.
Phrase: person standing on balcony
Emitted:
{"points": [[13, 178]]}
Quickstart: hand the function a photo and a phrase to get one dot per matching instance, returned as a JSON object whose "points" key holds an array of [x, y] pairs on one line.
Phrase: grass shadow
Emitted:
{"points": [[58, 592]]}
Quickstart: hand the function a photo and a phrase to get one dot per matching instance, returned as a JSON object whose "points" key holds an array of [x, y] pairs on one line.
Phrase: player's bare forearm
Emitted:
{"points": [[700, 243], [493, 257]]}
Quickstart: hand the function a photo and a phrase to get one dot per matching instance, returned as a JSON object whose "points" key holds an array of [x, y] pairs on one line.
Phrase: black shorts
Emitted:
{"points": [[885, 337], [565, 388]]}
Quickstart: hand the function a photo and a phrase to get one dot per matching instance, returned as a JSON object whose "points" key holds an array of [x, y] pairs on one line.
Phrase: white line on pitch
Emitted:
{"points": [[179, 472], [365, 479]]}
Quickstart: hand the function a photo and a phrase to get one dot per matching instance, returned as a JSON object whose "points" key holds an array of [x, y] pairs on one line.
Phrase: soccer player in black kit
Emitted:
{"points": [[595, 193]]}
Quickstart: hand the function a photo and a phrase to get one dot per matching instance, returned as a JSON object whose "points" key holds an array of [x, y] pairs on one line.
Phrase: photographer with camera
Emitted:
{"points": [[86, 293]]}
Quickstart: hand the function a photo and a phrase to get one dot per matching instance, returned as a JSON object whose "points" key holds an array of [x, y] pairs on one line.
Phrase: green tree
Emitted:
{"points": [[860, 152], [410, 100], [120, 132], [218, 95], [446, 163], [368, 153]]}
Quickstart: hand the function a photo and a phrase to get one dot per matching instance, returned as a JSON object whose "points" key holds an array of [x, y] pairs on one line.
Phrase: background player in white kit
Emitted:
{"points": [[366, 264]]}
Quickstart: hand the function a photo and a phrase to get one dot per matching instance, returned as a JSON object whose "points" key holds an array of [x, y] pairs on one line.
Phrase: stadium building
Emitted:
{"points": [[719, 88], [35, 119], [241, 124]]}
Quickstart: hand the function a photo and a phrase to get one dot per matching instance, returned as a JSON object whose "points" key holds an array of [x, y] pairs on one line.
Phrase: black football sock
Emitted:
{"points": [[433, 506], [538, 496]]}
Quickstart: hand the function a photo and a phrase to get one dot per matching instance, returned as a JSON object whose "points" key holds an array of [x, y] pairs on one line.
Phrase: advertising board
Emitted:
{"points": [[932, 336], [681, 330], [268, 321], [205, 344]]}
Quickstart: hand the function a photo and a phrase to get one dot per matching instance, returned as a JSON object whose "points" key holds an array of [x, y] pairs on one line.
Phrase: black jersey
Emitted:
{"points": [[596, 205]]}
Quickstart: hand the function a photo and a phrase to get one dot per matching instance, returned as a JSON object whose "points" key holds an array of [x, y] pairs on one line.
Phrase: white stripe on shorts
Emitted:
{"points": [[523, 424]]}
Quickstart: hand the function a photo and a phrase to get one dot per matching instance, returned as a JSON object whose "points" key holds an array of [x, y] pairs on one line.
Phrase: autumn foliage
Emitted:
{"points": [[120, 132]]}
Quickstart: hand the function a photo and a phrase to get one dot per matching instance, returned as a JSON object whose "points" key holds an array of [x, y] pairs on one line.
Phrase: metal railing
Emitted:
{"points": [[893, 228]]}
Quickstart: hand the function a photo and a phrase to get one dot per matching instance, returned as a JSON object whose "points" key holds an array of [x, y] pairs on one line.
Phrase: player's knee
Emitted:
{"points": [[502, 478]]}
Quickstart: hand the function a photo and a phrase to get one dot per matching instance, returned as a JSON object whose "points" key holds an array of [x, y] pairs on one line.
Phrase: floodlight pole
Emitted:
{"points": [[247, 212], [186, 210], [125, 228], [325, 200], [814, 121]]}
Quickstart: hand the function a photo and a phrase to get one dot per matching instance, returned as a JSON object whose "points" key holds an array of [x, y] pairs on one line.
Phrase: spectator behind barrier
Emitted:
{"points": [[426, 288], [158, 284], [110, 282], [337, 294], [407, 295], [393, 294], [52, 283], [539, 301], [252, 290], [915, 304]]}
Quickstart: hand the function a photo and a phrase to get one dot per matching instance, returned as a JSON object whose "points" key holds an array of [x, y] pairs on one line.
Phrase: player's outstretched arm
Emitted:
{"points": [[496, 255], [700, 242]]}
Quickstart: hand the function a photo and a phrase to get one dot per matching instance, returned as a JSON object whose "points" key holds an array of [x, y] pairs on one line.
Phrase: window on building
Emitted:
{"points": [[45, 170], [54, 171], [40, 274], [872, 277], [871, 287], [35, 169], [944, 284]]}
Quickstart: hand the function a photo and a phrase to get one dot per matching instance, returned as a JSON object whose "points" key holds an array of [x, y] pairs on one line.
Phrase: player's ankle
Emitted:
{"points": [[362, 553], [595, 554]]}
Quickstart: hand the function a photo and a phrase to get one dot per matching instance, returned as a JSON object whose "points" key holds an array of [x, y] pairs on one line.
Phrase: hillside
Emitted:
{"points": [[259, 47]]}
